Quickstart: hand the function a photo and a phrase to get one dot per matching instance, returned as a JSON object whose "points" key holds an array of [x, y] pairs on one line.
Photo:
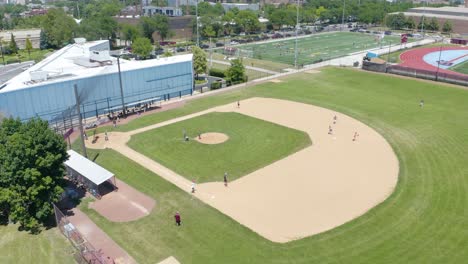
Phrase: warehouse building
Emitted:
{"points": [[46, 90]]}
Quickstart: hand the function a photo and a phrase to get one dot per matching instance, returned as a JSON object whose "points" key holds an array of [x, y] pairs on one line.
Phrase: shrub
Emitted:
{"points": [[217, 73], [215, 85]]}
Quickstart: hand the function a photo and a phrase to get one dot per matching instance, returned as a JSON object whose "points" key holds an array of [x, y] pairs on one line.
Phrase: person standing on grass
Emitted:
{"points": [[421, 103], [225, 179], [105, 136], [193, 186], [177, 218]]}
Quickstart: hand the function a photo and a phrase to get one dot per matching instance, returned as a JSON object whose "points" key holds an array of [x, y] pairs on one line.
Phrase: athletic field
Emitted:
{"points": [[314, 48], [423, 221], [461, 68]]}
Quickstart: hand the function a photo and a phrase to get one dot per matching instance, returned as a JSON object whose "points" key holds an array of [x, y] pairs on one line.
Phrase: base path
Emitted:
{"points": [[314, 190]]}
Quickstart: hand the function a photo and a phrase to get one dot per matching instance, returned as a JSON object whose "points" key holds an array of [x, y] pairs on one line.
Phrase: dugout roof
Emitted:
{"points": [[87, 168]]}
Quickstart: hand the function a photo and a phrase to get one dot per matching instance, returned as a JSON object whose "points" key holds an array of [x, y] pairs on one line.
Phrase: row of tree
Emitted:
{"points": [[399, 21]]}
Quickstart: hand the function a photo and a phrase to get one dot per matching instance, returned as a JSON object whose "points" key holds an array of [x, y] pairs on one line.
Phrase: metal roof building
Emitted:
{"points": [[46, 90]]}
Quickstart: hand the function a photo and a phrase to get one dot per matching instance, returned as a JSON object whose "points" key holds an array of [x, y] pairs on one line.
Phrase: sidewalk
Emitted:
{"points": [[98, 238]]}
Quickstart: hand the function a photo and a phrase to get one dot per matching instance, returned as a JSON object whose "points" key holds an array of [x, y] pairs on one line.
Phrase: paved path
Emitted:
{"points": [[247, 67], [98, 238]]}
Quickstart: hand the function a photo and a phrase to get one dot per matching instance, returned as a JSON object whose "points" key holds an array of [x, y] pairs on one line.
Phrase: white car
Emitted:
{"points": [[234, 43]]}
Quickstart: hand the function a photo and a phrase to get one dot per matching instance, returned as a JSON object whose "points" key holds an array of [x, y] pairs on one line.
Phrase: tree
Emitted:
{"points": [[162, 26], [130, 33], [199, 60], [447, 27], [59, 28], [44, 42], [434, 24], [236, 73], [142, 47], [31, 174], [98, 27], [28, 47], [410, 24], [13, 45]]}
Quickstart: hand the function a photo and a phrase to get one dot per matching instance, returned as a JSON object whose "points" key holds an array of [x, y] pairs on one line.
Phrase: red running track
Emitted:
{"points": [[414, 59]]}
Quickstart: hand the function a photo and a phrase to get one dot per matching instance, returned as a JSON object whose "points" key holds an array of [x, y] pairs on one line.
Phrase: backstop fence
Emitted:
{"points": [[83, 251]]}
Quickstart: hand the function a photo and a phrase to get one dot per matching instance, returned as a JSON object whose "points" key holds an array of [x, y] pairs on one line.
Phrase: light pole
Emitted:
{"points": [[121, 87], [196, 17], [438, 63], [80, 121], [297, 28], [342, 17]]}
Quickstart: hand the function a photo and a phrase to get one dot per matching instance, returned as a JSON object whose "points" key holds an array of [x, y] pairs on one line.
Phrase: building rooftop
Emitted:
{"points": [[77, 61]]}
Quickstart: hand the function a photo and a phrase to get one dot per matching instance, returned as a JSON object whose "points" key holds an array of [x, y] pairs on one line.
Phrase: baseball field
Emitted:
{"points": [[421, 220]]}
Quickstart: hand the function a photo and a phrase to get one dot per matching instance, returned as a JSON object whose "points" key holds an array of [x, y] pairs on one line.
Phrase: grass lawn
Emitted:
{"points": [[251, 74], [252, 144], [36, 55], [424, 221], [264, 64], [50, 246], [315, 47]]}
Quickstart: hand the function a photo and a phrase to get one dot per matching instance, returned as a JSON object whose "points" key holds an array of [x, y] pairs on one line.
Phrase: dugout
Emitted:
{"points": [[89, 175]]}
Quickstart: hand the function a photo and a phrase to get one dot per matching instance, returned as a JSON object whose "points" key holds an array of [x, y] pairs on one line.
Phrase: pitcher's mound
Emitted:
{"points": [[212, 138]]}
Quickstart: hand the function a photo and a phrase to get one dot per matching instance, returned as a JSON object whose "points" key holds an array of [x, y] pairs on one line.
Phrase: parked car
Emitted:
{"points": [[219, 44], [233, 42], [204, 46], [388, 32], [354, 30], [277, 35], [180, 49]]}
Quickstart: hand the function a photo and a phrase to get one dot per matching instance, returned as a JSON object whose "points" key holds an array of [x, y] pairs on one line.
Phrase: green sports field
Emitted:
{"points": [[461, 68], [252, 144], [314, 48], [424, 221]]}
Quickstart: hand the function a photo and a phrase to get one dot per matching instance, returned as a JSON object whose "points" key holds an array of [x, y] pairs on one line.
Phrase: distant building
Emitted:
{"points": [[21, 35], [168, 11], [46, 90], [229, 6]]}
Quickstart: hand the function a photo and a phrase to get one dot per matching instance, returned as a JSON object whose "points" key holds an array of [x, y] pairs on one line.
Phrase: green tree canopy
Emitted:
{"points": [[157, 23], [130, 32], [142, 47], [13, 46], [236, 73], [447, 27], [31, 171], [59, 28], [199, 60], [434, 24]]}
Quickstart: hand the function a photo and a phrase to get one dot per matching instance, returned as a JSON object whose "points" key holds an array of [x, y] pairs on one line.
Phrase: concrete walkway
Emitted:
{"points": [[98, 238]]}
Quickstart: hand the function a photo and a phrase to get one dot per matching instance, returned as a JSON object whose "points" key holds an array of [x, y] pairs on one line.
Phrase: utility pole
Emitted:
{"points": [[438, 63], [297, 28], [80, 122], [121, 87], [196, 17], [342, 17]]}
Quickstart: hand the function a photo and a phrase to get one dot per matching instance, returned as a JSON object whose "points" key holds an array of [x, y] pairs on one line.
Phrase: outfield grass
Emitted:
{"points": [[424, 221], [314, 48], [252, 144], [35, 55], [21, 247]]}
